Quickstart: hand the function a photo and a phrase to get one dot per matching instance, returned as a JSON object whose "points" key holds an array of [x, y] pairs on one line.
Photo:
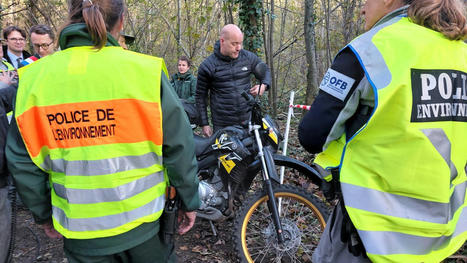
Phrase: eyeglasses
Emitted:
{"points": [[16, 39], [43, 46]]}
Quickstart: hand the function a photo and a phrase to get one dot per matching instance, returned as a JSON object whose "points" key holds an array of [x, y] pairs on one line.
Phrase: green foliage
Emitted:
{"points": [[250, 16]]}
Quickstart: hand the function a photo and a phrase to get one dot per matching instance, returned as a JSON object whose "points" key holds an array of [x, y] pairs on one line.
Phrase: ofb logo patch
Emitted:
{"points": [[439, 95], [336, 84], [326, 78]]}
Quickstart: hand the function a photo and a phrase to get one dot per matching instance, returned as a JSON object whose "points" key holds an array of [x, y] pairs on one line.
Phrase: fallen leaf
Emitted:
{"points": [[197, 249], [184, 248]]}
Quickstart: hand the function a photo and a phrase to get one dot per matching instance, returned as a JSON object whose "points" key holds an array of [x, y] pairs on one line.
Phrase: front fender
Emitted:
{"points": [[280, 160], [302, 167]]}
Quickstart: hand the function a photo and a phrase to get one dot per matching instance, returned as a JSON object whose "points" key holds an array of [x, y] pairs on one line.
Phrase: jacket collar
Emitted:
{"points": [[76, 35], [402, 11], [217, 52], [186, 75]]}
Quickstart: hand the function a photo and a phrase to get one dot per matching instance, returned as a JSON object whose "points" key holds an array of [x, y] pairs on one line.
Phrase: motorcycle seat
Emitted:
{"points": [[203, 144]]}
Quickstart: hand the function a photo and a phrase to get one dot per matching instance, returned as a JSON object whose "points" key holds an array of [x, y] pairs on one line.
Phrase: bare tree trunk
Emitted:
{"points": [[179, 28], [310, 44], [34, 13], [348, 28], [281, 42], [265, 46], [228, 12], [327, 18], [273, 88], [188, 22]]}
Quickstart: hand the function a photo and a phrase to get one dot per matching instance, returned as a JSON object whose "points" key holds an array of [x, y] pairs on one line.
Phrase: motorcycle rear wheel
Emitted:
{"points": [[303, 218]]}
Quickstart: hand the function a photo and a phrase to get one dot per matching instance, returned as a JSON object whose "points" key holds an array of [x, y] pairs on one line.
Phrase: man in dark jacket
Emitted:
{"points": [[15, 39], [42, 40], [224, 75]]}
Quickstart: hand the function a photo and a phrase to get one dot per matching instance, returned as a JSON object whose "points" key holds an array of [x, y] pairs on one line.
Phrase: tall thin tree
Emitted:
{"points": [[310, 44]]}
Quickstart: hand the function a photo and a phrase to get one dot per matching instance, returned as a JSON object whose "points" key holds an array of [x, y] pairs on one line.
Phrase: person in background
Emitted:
{"points": [[99, 179], [7, 92], [124, 40], [5, 66], [222, 77], [42, 39], [184, 84], [389, 124], [8, 78], [15, 39]]}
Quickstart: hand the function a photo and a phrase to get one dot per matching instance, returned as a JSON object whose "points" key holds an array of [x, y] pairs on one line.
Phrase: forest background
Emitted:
{"points": [[297, 39]]}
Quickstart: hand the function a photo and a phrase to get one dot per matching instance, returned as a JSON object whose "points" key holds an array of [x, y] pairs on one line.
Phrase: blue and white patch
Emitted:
{"points": [[336, 84]]}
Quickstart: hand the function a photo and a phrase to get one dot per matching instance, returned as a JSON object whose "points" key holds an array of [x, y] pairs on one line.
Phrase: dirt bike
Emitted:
{"points": [[238, 171]]}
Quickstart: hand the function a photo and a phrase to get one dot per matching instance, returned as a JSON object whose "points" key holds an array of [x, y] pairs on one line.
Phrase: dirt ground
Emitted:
{"points": [[198, 245]]}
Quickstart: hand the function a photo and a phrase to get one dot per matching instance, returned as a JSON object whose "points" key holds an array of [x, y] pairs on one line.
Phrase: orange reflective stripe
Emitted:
{"points": [[90, 123]]}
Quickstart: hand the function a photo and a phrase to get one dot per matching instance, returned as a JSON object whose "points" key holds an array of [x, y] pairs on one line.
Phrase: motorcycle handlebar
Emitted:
{"points": [[248, 141], [246, 96], [249, 98]]}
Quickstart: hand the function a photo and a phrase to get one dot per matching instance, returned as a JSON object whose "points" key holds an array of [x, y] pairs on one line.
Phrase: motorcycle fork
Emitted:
{"points": [[266, 163]]}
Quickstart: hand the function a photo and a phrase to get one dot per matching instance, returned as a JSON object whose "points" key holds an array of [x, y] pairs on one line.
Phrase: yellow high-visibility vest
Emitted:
{"points": [[8, 66], [92, 120], [330, 158], [403, 175]]}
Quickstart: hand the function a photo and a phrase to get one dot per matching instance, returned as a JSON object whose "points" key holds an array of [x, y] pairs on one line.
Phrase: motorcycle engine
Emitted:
{"points": [[211, 194]]}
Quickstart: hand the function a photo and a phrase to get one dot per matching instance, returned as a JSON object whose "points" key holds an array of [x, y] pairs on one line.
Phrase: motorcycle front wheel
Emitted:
{"points": [[303, 218]]}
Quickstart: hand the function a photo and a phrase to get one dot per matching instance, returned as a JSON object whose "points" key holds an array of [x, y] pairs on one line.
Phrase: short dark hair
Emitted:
{"points": [[42, 30], [7, 31], [184, 58]]}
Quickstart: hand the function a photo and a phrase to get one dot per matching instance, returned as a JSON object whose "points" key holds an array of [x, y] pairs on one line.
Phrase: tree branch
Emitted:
{"points": [[14, 12], [174, 33], [295, 39]]}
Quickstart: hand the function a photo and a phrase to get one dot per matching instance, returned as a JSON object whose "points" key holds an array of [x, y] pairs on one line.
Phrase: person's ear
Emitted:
{"points": [[118, 27], [121, 22]]}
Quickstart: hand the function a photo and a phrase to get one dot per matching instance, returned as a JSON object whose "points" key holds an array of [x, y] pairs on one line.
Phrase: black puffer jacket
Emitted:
{"points": [[7, 96], [224, 79]]}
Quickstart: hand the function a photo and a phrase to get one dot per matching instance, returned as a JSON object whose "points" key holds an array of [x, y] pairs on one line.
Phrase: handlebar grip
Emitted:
{"points": [[246, 96], [248, 141]]}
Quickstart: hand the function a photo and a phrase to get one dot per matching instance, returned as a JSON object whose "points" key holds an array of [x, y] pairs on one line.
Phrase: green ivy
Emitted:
{"points": [[250, 21]]}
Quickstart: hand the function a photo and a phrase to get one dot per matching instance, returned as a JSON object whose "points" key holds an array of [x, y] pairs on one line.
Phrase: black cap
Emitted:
{"points": [[129, 39]]}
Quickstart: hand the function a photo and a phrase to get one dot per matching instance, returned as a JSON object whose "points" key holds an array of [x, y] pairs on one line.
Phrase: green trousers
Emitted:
{"points": [[151, 251]]}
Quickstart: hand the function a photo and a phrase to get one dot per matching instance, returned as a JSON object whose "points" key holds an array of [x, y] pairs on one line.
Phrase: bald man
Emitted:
{"points": [[222, 77]]}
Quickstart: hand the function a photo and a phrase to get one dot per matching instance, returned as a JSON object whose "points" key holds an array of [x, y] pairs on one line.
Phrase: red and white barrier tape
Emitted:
{"points": [[305, 107]]}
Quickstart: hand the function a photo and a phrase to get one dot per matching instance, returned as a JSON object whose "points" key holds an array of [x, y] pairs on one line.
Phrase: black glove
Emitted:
{"points": [[328, 190], [350, 235]]}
